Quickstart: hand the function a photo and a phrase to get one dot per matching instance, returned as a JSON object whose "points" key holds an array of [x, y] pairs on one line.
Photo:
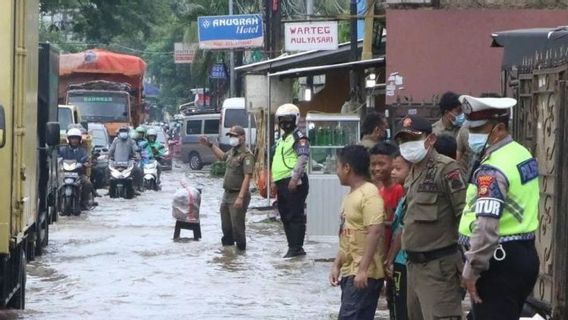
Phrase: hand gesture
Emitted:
{"points": [[469, 284], [204, 141], [292, 185], [360, 280]]}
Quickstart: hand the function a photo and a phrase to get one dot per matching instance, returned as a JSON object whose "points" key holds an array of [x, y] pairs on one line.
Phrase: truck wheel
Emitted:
{"points": [[195, 161], [19, 298]]}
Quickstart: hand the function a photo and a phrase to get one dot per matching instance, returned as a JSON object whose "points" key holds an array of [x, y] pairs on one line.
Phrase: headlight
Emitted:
{"points": [[69, 180], [69, 166], [151, 165], [103, 157]]}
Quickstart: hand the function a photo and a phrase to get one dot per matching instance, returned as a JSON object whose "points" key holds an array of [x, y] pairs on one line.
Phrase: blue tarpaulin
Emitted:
{"points": [[150, 90]]}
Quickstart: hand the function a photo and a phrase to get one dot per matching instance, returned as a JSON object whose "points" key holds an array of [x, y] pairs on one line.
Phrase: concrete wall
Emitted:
{"points": [[504, 4]]}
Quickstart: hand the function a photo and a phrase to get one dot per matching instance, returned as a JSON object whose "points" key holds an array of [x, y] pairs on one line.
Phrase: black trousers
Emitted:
{"points": [[359, 304], [397, 305], [291, 206], [507, 284]]}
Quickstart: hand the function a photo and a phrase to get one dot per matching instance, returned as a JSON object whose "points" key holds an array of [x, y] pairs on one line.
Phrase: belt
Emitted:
{"points": [[423, 257], [464, 240]]}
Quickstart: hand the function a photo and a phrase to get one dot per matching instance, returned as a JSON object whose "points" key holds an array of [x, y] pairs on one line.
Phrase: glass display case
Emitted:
{"points": [[327, 133]]}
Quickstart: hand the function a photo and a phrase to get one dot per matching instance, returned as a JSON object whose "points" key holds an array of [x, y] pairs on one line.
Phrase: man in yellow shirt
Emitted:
{"points": [[358, 267]]}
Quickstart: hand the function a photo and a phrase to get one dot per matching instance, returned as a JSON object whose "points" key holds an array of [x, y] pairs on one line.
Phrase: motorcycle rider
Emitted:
{"points": [[124, 149], [158, 149], [73, 151]]}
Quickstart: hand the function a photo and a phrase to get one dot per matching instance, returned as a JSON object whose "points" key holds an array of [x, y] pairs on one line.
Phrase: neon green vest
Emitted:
{"points": [[285, 158], [520, 214]]}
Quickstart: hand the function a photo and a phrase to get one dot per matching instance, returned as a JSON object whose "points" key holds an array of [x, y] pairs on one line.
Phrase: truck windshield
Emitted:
{"points": [[101, 106], [65, 117]]}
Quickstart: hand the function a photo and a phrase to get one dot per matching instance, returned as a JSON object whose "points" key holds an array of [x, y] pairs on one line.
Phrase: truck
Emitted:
{"points": [[27, 142], [107, 87], [535, 72]]}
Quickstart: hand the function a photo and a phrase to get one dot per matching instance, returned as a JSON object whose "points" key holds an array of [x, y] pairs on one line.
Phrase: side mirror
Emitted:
{"points": [[52, 134], [85, 125], [2, 127]]}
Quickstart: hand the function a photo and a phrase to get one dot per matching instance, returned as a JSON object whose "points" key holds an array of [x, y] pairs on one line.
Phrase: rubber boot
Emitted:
{"points": [[289, 240], [226, 241]]}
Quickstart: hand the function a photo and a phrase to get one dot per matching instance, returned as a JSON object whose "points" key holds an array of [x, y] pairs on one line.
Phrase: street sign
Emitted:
{"points": [[230, 32], [218, 71], [184, 52], [304, 36]]}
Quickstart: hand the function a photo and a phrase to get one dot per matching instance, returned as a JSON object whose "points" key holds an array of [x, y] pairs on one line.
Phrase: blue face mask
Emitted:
{"points": [[459, 120], [477, 141]]}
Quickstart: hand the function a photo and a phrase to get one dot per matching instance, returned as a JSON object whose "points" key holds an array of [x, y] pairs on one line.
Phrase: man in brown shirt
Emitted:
{"points": [[236, 198], [435, 200]]}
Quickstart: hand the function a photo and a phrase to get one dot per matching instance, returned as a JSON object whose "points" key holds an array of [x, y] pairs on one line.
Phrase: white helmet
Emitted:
{"points": [[74, 132], [152, 132], [288, 109]]}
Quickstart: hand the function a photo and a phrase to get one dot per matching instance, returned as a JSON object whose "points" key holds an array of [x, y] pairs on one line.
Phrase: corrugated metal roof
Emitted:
{"points": [[299, 72]]}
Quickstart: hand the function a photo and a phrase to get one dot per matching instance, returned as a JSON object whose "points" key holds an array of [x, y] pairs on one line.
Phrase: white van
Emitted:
{"points": [[193, 128], [234, 113]]}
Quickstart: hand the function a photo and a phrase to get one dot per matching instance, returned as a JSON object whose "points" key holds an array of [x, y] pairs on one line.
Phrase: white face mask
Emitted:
{"points": [[413, 151], [234, 141]]}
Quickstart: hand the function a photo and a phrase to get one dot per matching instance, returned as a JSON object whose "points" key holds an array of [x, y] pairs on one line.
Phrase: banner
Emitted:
{"points": [[184, 52], [304, 36], [230, 32]]}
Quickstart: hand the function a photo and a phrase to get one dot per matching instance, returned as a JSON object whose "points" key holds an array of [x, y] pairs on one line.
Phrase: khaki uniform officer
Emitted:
{"points": [[435, 199], [236, 198]]}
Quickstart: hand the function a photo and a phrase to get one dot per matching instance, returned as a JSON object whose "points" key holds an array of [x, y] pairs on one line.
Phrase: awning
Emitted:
{"points": [[304, 59], [317, 70], [151, 90], [530, 48]]}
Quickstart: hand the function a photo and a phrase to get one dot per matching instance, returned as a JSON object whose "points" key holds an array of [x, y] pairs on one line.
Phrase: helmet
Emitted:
{"points": [[74, 132], [288, 109], [124, 129], [152, 132], [141, 129], [133, 134]]}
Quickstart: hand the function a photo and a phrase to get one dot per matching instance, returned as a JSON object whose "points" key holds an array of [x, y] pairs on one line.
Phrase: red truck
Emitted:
{"points": [[107, 87]]}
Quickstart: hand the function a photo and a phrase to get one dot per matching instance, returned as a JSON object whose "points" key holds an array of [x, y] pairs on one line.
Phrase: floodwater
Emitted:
{"points": [[119, 261]]}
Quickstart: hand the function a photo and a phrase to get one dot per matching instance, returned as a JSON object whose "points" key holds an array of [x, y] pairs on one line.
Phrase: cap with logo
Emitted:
{"points": [[478, 111], [414, 125], [236, 131]]}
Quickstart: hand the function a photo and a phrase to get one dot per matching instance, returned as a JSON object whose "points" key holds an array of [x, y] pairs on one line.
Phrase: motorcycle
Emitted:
{"points": [[69, 193], [150, 168], [121, 180]]}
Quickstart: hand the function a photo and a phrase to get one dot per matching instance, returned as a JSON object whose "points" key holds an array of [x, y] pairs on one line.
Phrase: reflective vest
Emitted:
{"points": [[519, 218], [285, 158]]}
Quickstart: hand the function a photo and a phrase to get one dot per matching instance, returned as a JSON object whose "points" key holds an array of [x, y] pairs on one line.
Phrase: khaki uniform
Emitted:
{"points": [[439, 128], [464, 149], [240, 162], [435, 200]]}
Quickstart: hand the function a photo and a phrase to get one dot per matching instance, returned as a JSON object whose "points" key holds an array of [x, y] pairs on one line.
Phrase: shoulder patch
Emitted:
{"points": [[528, 170], [299, 135], [484, 183], [455, 180]]}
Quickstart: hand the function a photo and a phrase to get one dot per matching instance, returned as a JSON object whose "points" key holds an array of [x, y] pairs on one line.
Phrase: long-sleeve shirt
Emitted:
{"points": [[122, 150], [485, 236]]}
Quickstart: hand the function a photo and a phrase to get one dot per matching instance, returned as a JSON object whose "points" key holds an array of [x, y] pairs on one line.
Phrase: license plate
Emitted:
{"points": [[71, 174]]}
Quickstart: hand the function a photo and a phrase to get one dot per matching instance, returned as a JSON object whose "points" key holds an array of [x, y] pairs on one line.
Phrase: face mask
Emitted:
{"points": [[459, 120], [287, 125], [234, 141], [123, 135], [413, 151], [477, 141]]}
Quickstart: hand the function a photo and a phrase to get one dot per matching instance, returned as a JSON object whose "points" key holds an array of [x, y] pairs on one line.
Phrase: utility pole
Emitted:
{"points": [[353, 52], [276, 21], [368, 36], [309, 8], [231, 61]]}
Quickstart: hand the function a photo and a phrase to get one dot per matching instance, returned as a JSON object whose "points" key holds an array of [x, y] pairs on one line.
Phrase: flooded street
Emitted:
{"points": [[119, 262]]}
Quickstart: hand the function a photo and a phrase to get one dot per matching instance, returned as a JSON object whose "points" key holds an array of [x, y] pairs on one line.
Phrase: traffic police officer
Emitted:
{"points": [[499, 222], [238, 174], [289, 179], [434, 202]]}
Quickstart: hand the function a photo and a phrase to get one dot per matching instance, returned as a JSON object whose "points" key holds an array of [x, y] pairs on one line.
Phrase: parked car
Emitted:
{"points": [[234, 113], [101, 146], [193, 128]]}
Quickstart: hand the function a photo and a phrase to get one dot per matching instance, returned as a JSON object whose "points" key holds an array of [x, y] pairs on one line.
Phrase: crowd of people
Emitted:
{"points": [[442, 210]]}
